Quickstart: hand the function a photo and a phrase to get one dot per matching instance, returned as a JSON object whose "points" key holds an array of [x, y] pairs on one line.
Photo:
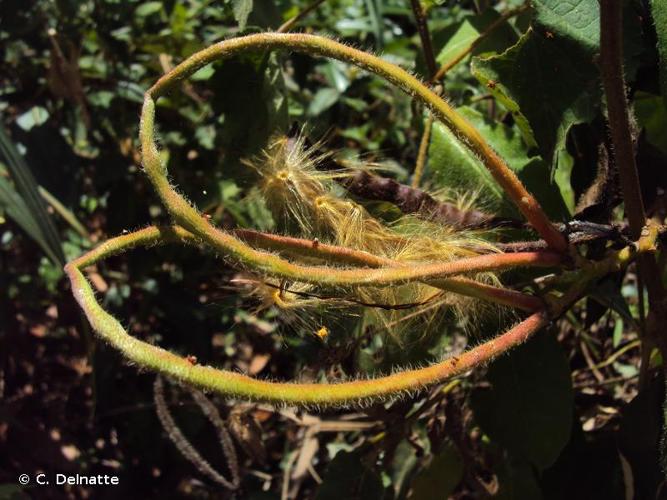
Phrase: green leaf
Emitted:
{"points": [[242, 9], [252, 100], [18, 211], [322, 100], [546, 85], [607, 293], [452, 165], [659, 13], [403, 467], [576, 20], [458, 37], [651, 112], [31, 210], [148, 9], [528, 408], [517, 481], [374, 8], [347, 477], [441, 477], [34, 117]]}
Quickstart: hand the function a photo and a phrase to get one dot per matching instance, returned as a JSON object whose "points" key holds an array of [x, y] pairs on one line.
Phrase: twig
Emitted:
{"points": [[66, 214], [425, 36], [609, 381], [326, 276], [290, 23], [590, 362], [185, 447], [411, 200], [462, 286], [329, 394], [422, 152], [429, 57], [284, 489], [613, 357], [357, 302]]}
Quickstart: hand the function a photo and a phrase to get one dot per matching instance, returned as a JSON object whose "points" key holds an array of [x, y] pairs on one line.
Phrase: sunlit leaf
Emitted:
{"points": [[148, 8], [545, 86], [242, 9], [34, 117]]}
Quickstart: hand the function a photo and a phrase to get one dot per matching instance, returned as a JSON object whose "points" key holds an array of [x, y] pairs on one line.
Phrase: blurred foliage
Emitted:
{"points": [[72, 76]]}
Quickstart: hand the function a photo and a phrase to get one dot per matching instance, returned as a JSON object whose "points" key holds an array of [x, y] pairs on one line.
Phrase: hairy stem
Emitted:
{"points": [[169, 234], [188, 217], [237, 385], [611, 67], [331, 253], [316, 45]]}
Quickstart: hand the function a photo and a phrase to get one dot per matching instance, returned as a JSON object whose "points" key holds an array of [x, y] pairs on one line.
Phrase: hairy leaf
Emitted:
{"points": [[242, 9], [547, 87], [456, 38], [576, 20], [453, 166]]}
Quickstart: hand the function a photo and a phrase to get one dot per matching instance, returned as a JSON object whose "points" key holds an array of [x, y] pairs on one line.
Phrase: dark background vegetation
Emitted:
{"points": [[562, 417]]}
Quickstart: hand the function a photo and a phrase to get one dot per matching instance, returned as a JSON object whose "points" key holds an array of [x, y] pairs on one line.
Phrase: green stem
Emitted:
{"points": [[332, 253], [422, 152], [153, 235], [236, 385]]}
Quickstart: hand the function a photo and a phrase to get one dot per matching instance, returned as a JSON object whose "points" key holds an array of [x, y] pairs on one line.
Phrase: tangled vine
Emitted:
{"points": [[342, 268]]}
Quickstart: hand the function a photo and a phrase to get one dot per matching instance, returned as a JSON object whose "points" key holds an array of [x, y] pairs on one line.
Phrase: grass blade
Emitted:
{"points": [[30, 212], [18, 211]]}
